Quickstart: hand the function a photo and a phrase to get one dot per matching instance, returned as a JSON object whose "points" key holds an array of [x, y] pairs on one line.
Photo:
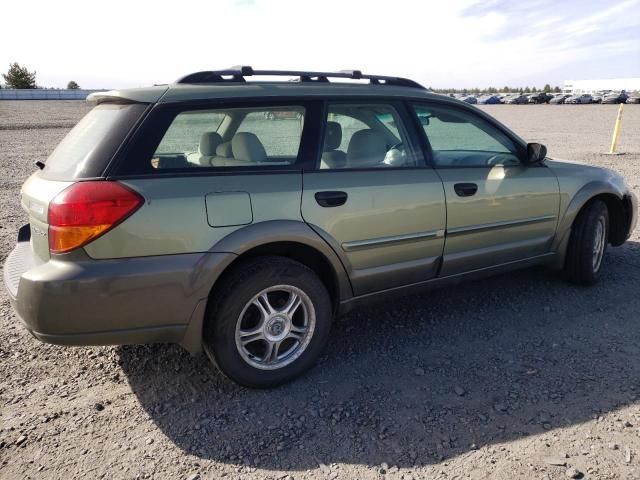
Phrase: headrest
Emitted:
{"points": [[224, 150], [332, 136], [247, 147], [366, 148], [209, 141]]}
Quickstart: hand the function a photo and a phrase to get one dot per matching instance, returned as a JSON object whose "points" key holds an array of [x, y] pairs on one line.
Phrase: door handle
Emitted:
{"points": [[465, 189], [331, 199]]}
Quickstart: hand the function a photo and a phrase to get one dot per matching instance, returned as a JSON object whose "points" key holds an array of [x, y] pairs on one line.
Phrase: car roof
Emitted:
{"points": [[238, 83], [191, 92]]}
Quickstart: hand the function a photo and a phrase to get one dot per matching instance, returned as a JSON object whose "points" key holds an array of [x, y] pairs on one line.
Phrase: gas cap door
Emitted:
{"points": [[228, 209]]}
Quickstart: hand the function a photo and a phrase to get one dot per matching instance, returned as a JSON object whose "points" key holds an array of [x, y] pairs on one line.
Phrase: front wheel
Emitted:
{"points": [[588, 244], [268, 322]]}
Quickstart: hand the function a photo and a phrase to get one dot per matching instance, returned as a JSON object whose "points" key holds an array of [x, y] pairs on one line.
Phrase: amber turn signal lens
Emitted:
{"points": [[87, 210]]}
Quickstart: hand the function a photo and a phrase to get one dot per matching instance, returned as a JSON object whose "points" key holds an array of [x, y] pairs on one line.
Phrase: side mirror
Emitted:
{"points": [[536, 152]]}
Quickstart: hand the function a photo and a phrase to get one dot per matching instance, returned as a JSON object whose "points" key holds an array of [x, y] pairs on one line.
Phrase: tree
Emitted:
{"points": [[527, 90], [556, 89], [72, 85], [19, 77], [547, 88]]}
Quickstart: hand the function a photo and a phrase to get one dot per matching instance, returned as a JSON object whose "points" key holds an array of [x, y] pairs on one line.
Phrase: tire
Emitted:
{"points": [[240, 327], [590, 232]]}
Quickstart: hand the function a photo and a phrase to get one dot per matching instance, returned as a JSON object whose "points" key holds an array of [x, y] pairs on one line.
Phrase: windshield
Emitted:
{"points": [[87, 149]]}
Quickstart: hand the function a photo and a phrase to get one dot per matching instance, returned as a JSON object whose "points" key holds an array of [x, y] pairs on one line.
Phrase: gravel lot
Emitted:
{"points": [[518, 376]]}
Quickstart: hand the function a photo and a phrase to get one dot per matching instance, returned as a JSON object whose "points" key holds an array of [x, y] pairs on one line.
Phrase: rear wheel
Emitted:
{"points": [[588, 244], [269, 321]]}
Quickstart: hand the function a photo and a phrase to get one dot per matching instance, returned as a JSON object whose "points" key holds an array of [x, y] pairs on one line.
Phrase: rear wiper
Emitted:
{"points": [[39, 164]]}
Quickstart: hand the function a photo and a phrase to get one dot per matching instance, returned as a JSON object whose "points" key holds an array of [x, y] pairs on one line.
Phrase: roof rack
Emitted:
{"points": [[238, 73]]}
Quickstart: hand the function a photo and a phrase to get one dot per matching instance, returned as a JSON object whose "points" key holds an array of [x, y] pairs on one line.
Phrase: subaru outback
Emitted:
{"points": [[186, 214]]}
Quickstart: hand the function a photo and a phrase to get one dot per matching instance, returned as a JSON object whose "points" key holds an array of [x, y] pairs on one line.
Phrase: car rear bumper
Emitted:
{"points": [[81, 301]]}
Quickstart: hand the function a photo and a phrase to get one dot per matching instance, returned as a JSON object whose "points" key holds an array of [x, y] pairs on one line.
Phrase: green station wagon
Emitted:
{"points": [[239, 217]]}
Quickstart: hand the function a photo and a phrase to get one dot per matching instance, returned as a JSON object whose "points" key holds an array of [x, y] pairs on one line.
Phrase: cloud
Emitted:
{"points": [[453, 43]]}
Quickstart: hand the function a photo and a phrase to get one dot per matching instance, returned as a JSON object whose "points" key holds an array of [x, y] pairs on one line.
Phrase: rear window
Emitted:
{"points": [[87, 149]]}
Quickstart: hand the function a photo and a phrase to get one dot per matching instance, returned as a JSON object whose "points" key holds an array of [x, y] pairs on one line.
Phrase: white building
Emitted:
{"points": [[592, 86]]}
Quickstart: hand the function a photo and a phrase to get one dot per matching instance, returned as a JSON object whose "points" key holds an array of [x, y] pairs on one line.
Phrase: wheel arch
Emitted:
{"points": [[291, 239], [612, 196]]}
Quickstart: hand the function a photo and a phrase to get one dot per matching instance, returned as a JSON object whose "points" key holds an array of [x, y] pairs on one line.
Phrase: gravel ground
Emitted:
{"points": [[518, 376]]}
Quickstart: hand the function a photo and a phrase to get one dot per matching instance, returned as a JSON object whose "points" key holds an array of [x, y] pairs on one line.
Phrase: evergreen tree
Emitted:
{"points": [[19, 77], [72, 85]]}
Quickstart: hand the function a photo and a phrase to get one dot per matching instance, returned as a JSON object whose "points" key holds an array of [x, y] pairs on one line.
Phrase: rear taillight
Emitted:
{"points": [[86, 210]]}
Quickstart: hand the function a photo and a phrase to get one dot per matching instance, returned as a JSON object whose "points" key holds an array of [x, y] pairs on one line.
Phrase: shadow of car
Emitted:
{"points": [[415, 380]]}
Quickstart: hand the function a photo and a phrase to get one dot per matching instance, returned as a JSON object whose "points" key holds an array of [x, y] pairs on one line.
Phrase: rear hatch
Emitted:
{"points": [[84, 154]]}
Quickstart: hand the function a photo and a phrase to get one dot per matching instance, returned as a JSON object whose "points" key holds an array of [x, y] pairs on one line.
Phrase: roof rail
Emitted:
{"points": [[238, 73]]}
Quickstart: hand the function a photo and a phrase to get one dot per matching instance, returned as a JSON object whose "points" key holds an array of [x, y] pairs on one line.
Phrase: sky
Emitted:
{"points": [[453, 43]]}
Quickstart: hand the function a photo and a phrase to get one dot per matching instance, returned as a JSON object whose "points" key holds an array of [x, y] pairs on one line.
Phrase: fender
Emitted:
{"points": [[251, 236], [579, 200], [273, 231]]}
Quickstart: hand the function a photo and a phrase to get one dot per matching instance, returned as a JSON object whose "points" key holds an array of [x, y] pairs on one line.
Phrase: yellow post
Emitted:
{"points": [[616, 131]]}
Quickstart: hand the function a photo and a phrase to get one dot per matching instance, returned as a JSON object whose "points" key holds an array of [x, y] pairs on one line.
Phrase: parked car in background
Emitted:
{"points": [[282, 115], [541, 97], [559, 98], [248, 249], [615, 97], [518, 100], [470, 99], [489, 100], [598, 96], [579, 99], [634, 97]]}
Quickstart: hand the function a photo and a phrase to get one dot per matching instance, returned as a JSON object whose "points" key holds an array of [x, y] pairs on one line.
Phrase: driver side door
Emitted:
{"points": [[499, 210]]}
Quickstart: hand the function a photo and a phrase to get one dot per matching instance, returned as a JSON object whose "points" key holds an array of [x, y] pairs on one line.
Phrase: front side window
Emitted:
{"points": [[231, 137], [462, 139], [365, 136]]}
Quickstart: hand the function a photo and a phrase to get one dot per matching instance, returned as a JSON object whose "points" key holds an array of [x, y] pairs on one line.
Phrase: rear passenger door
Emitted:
{"points": [[371, 197]]}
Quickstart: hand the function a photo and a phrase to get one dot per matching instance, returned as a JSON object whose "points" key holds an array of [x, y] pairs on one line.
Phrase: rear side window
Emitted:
{"points": [[279, 129], [87, 149], [187, 129], [231, 137]]}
